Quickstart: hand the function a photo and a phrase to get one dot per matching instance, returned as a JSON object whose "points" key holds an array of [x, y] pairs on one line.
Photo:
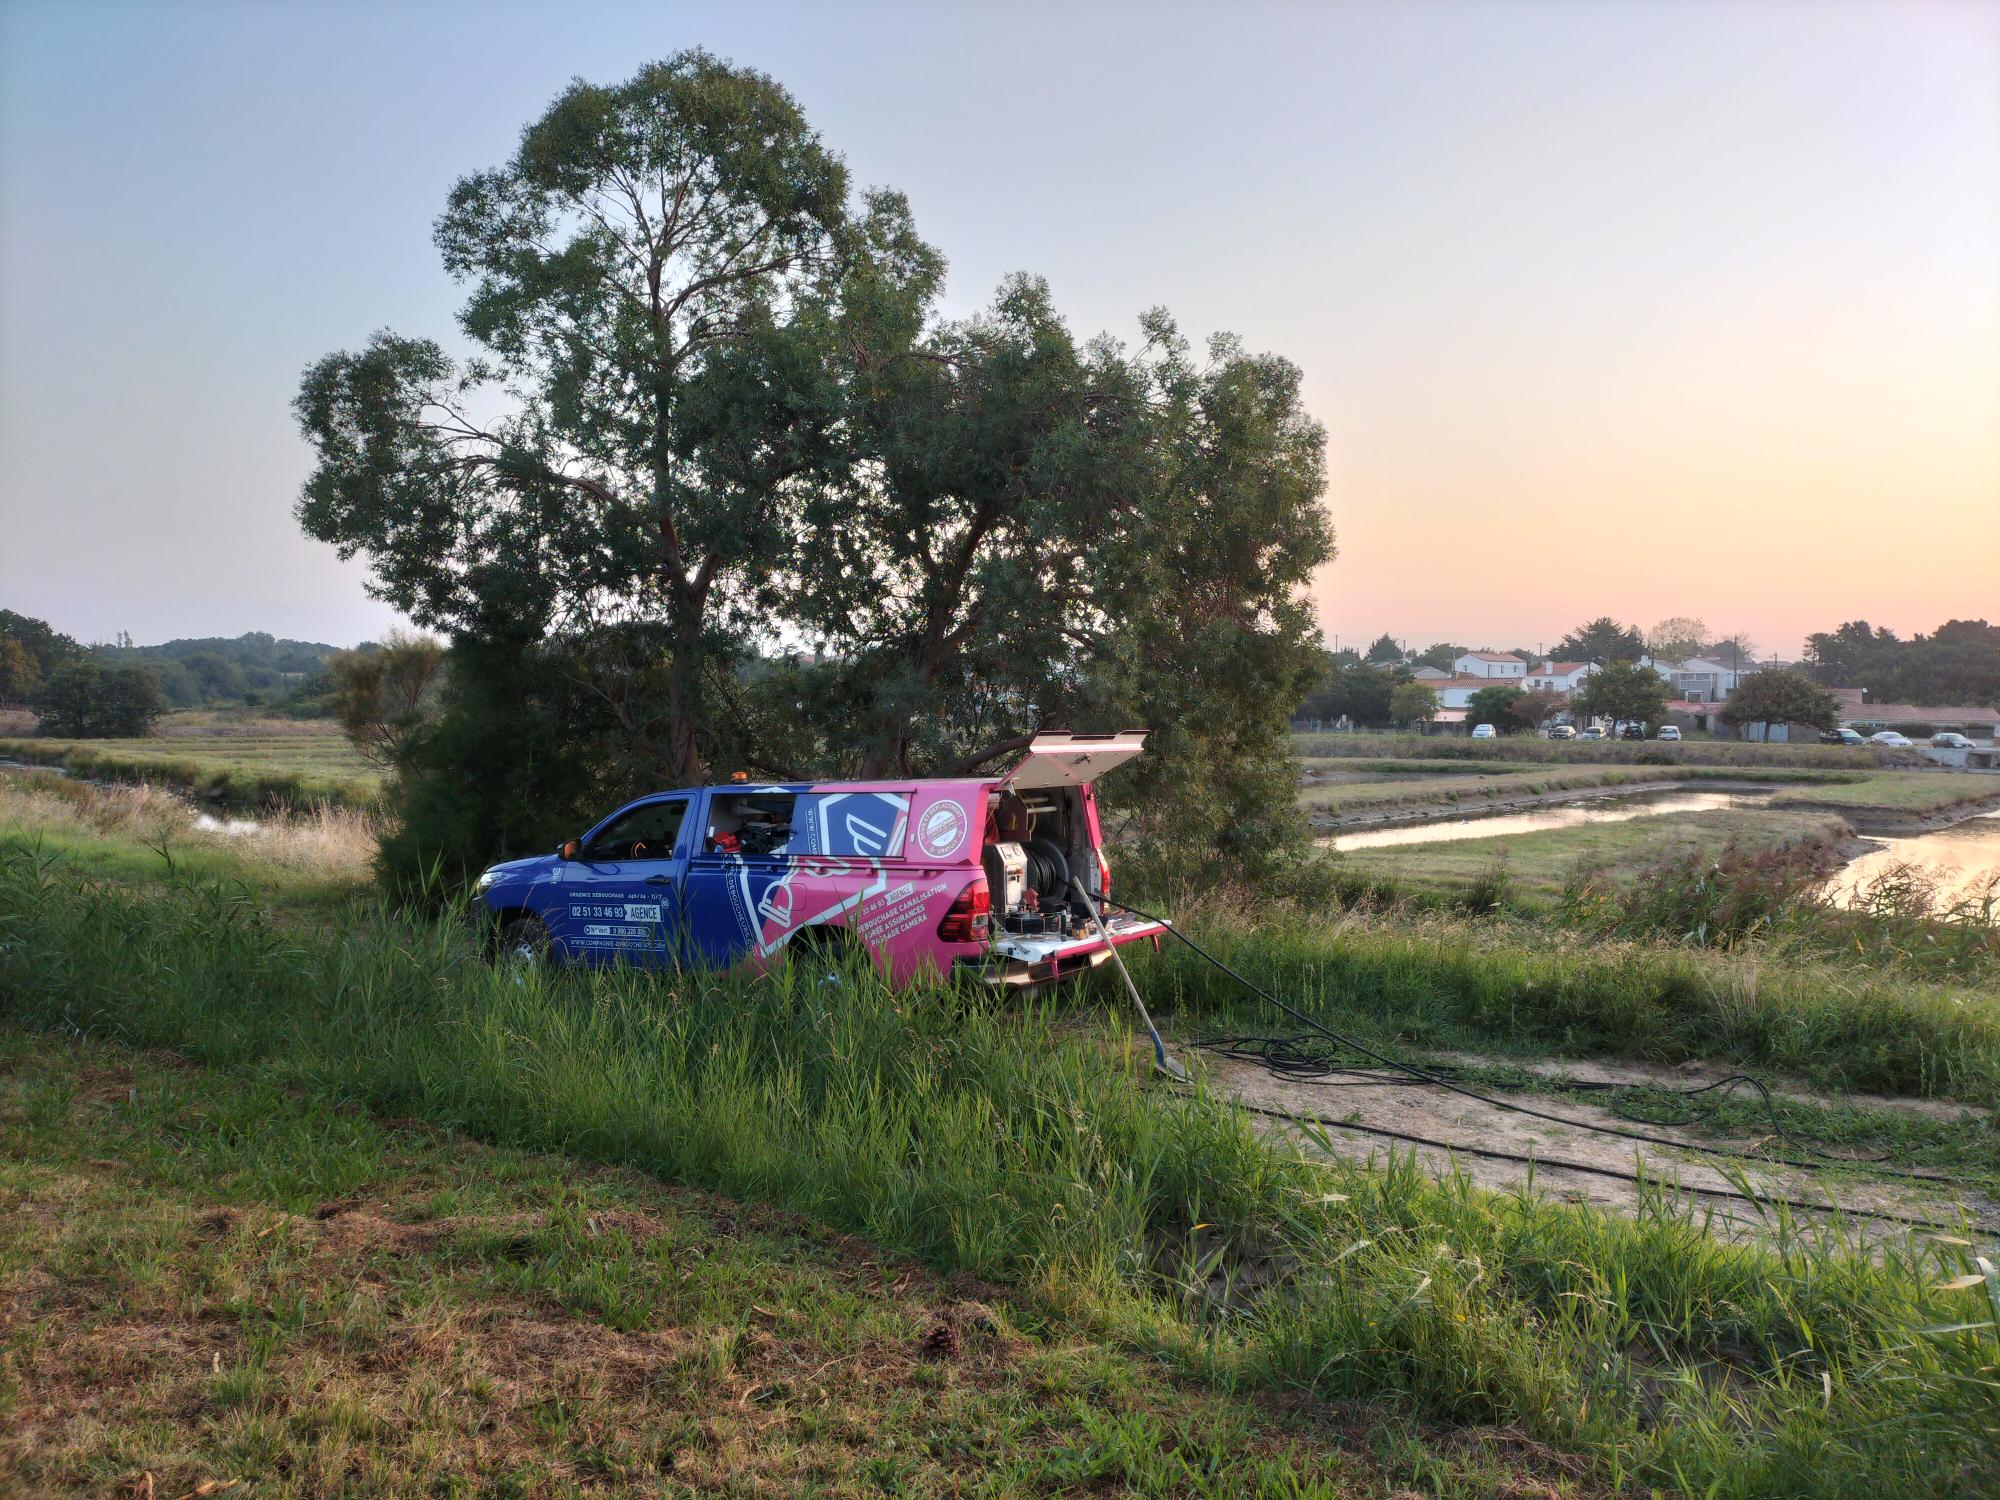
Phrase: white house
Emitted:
{"points": [[1558, 676], [1494, 666], [1701, 679], [1456, 692]]}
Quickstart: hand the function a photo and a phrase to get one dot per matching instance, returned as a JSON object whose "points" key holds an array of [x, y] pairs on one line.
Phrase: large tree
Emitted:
{"points": [[656, 282], [1677, 638], [1384, 651], [1412, 704], [1537, 707], [85, 699], [1494, 705], [757, 503], [1440, 656], [1781, 697], [1624, 692], [1602, 640]]}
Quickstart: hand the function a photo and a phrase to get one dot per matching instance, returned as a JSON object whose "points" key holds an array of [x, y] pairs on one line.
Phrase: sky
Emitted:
{"points": [[1640, 309]]}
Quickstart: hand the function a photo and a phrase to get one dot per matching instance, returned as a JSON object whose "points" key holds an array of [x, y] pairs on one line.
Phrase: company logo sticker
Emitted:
{"points": [[941, 829]]}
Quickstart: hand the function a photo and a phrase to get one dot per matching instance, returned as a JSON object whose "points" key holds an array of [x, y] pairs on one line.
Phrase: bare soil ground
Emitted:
{"points": [[1579, 1164]]}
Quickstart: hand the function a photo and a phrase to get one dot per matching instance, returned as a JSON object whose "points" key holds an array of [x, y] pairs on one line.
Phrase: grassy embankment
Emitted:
{"points": [[1595, 752], [1532, 869], [272, 762], [1806, 808], [1453, 784], [998, 1144], [148, 837], [216, 1277]]}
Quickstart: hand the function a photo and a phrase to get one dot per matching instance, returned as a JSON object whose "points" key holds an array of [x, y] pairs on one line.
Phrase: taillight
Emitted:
{"points": [[1103, 877], [970, 915]]}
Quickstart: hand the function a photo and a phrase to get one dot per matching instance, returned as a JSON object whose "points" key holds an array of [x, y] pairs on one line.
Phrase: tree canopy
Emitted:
{"points": [[724, 467], [1383, 650], [1623, 692], [1602, 640], [1412, 703], [1958, 663], [1781, 697], [1495, 705], [90, 701], [1677, 638]]}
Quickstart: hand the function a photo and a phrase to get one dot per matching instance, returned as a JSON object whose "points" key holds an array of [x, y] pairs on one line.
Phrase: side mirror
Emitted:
{"points": [[570, 849]]}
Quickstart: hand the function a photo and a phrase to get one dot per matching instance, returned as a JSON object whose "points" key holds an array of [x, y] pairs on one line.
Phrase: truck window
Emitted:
{"points": [[648, 831], [749, 823]]}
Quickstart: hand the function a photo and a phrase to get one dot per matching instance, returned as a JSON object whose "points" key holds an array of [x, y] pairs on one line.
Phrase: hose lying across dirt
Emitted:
{"points": [[1285, 1059]]}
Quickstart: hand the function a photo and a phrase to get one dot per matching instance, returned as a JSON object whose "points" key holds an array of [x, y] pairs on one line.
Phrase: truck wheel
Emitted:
{"points": [[826, 953], [523, 942]]}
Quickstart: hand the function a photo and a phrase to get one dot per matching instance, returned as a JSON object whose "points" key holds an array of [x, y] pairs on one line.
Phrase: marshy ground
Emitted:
{"points": [[306, 1196]]}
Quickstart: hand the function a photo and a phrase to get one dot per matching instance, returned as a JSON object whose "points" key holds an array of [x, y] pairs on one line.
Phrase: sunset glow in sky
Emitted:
{"points": [[1631, 309]]}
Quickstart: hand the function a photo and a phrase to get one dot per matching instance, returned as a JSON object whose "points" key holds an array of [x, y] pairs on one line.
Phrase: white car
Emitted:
{"points": [[1485, 732], [1669, 732], [1890, 737], [1949, 741]]}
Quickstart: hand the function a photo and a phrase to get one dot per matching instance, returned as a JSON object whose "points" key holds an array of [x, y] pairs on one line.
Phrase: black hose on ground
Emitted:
{"points": [[1291, 1068]]}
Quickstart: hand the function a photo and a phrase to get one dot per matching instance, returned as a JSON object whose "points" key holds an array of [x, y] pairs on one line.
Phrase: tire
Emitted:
{"points": [[826, 953], [523, 942]]}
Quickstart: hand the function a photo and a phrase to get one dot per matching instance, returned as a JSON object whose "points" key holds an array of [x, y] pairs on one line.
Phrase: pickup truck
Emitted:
{"points": [[997, 878]]}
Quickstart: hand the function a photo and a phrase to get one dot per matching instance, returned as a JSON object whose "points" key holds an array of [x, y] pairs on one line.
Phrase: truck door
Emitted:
{"points": [[621, 896]]}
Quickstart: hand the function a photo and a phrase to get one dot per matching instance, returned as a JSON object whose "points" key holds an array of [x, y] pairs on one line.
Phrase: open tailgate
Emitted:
{"points": [[1062, 759]]}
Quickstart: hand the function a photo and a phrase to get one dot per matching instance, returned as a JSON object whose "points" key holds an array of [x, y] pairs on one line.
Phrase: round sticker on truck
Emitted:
{"points": [[941, 830]]}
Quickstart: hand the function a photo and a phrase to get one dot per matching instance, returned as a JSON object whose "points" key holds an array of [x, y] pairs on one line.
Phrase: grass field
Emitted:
{"points": [[1596, 752], [1897, 791], [1143, 1232], [225, 1279], [1539, 864], [261, 761], [1456, 783]]}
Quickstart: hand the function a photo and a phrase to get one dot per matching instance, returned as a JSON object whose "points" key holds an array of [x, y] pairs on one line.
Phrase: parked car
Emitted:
{"points": [[1485, 732], [1632, 732], [972, 876], [1842, 736], [1592, 733], [1562, 732], [1889, 737], [1946, 740], [1668, 732]]}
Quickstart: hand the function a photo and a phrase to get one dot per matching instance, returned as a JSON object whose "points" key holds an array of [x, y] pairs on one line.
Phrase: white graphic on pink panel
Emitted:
{"points": [[776, 907], [941, 830]]}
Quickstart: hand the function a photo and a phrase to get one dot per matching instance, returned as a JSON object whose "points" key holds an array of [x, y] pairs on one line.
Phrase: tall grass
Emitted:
{"points": [[324, 840], [283, 770], [1782, 899], [1440, 978], [994, 1142]]}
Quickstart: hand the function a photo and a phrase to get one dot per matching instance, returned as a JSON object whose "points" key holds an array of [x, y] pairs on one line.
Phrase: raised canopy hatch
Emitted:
{"points": [[1059, 759]]}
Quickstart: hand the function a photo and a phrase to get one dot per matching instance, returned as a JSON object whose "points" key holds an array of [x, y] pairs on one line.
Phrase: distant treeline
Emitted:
{"points": [[1958, 663], [255, 669], [205, 671]]}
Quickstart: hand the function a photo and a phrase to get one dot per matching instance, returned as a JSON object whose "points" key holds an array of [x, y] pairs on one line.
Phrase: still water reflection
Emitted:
{"points": [[1959, 860]]}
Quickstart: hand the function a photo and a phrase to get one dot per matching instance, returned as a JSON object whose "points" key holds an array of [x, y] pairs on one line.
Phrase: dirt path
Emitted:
{"points": [[1570, 1162]]}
